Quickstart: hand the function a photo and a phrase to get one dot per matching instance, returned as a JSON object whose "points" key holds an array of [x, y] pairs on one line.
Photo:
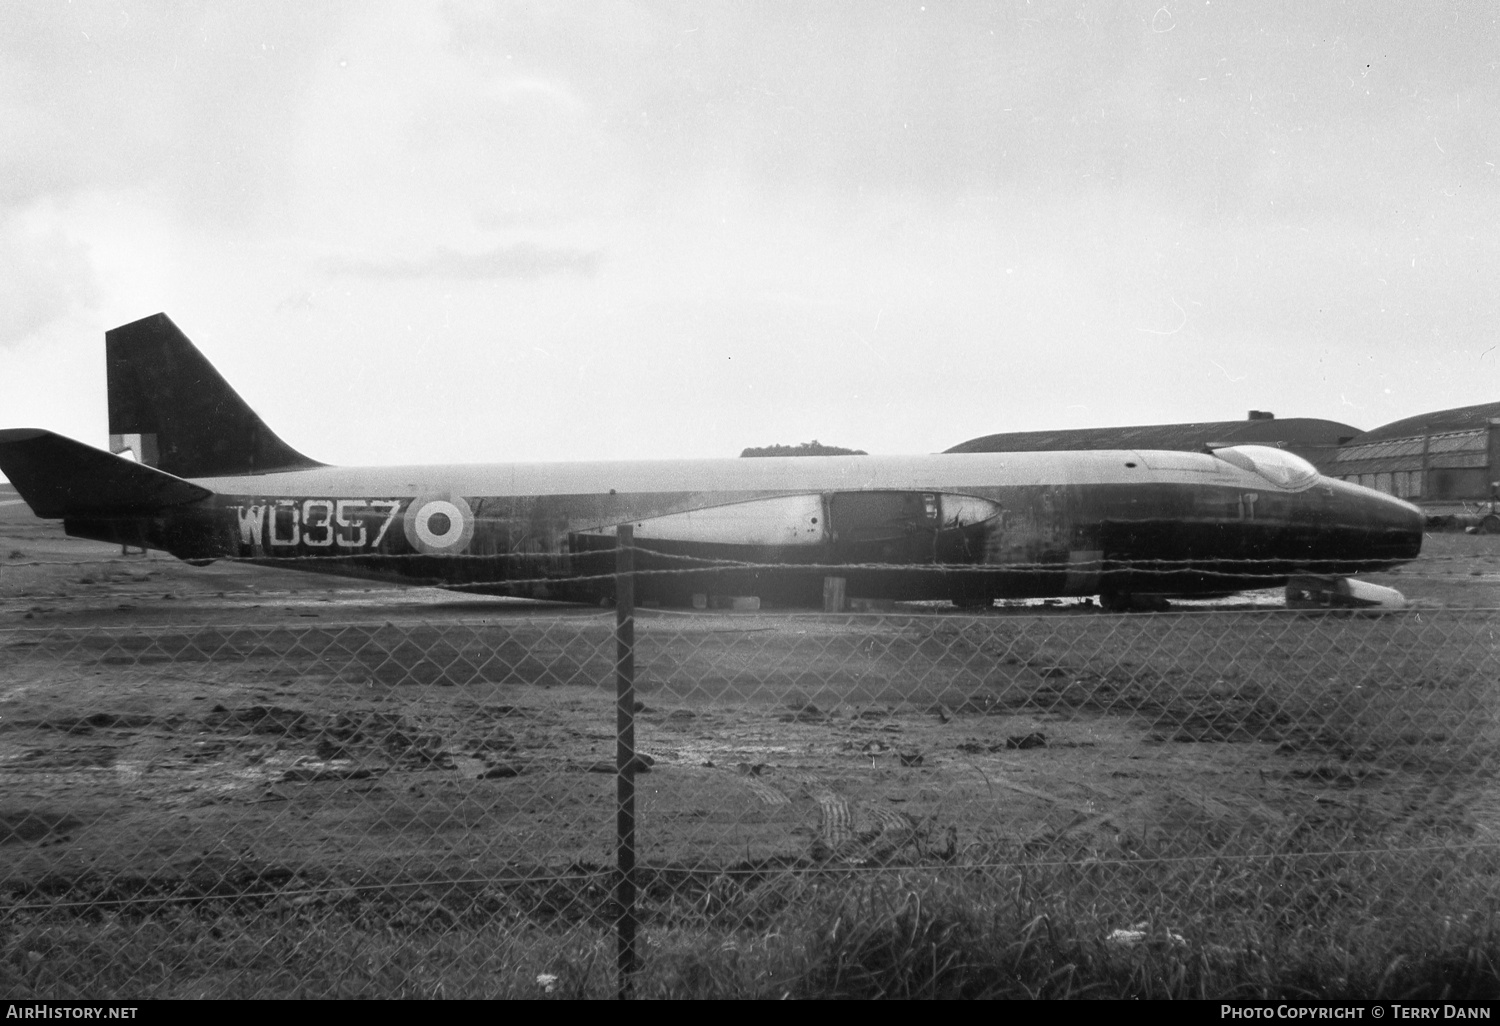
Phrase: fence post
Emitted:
{"points": [[833, 595], [625, 753]]}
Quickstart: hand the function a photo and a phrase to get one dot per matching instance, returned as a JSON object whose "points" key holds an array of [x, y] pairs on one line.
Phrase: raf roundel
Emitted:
{"points": [[439, 524]]}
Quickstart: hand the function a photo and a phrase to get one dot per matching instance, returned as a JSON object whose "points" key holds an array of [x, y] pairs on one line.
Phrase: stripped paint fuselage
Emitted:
{"points": [[967, 527], [207, 479]]}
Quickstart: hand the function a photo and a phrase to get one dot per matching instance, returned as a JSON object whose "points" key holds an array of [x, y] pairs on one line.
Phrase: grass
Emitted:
{"points": [[1390, 897], [1294, 925]]}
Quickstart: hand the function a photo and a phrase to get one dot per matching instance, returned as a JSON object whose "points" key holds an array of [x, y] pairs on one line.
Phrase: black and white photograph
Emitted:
{"points": [[649, 499]]}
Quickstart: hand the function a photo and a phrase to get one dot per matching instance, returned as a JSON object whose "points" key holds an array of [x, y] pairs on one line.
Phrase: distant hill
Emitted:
{"points": [[813, 448]]}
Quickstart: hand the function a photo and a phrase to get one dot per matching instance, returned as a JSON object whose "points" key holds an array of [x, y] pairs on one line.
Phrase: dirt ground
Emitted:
{"points": [[161, 722]]}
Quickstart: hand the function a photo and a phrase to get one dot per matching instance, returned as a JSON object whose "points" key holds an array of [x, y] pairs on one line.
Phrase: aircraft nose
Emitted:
{"points": [[1413, 524], [1397, 525]]}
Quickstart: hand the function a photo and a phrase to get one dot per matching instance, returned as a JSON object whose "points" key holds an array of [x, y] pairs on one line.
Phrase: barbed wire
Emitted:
{"points": [[1233, 572], [716, 562], [1102, 565], [725, 561], [336, 892], [644, 615]]}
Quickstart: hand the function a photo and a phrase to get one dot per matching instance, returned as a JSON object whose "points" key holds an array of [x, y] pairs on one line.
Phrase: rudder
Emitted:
{"points": [[175, 412]]}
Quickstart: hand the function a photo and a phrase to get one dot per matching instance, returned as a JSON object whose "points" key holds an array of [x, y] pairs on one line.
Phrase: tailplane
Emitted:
{"points": [[59, 477], [173, 411]]}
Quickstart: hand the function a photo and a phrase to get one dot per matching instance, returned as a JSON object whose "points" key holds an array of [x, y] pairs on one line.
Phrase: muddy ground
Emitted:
{"points": [[161, 722]]}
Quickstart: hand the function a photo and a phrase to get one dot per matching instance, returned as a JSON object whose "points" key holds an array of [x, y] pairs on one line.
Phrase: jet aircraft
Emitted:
{"points": [[192, 470]]}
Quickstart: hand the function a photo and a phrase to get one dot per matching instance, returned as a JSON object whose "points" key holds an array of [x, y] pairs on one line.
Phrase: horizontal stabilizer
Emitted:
{"points": [[59, 477]]}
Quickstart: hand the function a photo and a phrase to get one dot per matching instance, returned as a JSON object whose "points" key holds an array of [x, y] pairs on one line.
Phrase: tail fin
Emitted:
{"points": [[59, 477], [170, 407]]}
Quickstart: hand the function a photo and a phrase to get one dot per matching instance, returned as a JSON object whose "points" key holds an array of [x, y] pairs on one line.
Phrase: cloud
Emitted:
{"points": [[520, 260], [951, 219], [188, 102], [47, 275]]}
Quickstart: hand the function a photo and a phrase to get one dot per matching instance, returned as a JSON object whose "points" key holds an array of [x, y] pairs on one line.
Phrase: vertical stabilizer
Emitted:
{"points": [[171, 410]]}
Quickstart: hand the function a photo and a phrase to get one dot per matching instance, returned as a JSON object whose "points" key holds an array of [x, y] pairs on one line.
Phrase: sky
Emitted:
{"points": [[455, 232]]}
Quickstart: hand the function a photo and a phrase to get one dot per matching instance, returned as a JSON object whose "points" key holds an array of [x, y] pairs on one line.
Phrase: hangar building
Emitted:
{"points": [[1446, 458], [1314, 440]]}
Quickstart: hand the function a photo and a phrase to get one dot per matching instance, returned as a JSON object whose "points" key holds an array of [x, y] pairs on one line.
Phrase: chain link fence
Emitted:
{"points": [[431, 808]]}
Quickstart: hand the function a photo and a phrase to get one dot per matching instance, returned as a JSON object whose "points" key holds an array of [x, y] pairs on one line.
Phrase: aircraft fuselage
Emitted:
{"points": [[1000, 525]]}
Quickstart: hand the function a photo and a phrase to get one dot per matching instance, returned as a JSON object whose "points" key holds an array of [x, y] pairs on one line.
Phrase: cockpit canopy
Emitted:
{"points": [[1283, 469]]}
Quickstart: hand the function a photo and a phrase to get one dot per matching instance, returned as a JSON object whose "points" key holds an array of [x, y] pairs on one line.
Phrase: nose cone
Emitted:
{"points": [[1402, 523], [1389, 529]]}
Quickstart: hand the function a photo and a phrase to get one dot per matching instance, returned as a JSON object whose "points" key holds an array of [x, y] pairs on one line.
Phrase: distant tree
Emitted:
{"points": [[813, 448]]}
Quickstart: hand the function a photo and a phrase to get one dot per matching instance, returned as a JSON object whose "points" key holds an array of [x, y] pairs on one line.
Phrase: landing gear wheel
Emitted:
{"points": [[1489, 525]]}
